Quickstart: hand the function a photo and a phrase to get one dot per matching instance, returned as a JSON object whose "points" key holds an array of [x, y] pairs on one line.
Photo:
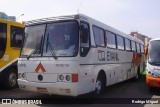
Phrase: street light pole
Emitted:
{"points": [[19, 16]]}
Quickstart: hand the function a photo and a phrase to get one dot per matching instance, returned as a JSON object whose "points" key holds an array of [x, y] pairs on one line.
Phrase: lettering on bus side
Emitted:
{"points": [[62, 65], [111, 56], [101, 55]]}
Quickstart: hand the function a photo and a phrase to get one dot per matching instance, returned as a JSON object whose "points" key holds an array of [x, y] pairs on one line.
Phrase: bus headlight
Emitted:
{"points": [[61, 77], [19, 75], [24, 75], [68, 77], [151, 73]]}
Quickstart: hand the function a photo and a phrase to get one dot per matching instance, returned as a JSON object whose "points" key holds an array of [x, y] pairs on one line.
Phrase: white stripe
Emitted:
{"points": [[4, 67]]}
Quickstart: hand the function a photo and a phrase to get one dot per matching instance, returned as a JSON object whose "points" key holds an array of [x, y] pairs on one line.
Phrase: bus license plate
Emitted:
{"points": [[39, 89]]}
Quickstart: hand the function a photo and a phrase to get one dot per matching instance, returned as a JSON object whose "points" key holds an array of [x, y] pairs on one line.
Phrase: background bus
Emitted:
{"points": [[74, 55], [11, 35], [153, 63]]}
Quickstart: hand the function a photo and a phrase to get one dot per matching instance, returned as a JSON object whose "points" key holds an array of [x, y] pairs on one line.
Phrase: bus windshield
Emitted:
{"points": [[59, 39], [33, 35], [154, 52]]}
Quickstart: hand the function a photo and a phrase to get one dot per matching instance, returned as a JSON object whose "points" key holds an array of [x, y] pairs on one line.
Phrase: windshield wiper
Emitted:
{"points": [[37, 47], [51, 48]]}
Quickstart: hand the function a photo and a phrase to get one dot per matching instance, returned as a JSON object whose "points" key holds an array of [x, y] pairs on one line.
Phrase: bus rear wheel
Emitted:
{"points": [[10, 80], [100, 85], [138, 75]]}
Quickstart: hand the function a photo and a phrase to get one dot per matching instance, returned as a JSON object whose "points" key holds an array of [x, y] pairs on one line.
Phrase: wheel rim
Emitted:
{"points": [[12, 79], [98, 87]]}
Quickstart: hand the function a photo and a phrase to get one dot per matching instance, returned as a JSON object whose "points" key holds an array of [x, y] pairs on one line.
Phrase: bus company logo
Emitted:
{"points": [[22, 65], [40, 67], [101, 55]]}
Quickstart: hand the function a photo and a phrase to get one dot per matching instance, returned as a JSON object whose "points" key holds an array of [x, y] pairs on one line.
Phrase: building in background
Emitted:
{"points": [[144, 38], [6, 17]]}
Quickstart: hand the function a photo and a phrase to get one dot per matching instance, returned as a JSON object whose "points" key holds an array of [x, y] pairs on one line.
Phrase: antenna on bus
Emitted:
{"points": [[79, 7]]}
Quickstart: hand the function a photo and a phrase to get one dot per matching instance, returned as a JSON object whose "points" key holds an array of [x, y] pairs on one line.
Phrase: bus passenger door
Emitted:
{"points": [[3, 43], [84, 39]]}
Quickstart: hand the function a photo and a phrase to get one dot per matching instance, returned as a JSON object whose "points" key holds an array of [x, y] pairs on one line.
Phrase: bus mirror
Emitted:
{"points": [[84, 34], [146, 51]]}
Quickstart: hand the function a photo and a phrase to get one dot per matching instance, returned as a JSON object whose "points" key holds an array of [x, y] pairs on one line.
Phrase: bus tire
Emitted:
{"points": [[100, 85], [10, 80], [137, 77]]}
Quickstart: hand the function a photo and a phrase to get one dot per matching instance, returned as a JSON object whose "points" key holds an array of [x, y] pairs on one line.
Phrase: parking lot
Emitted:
{"points": [[129, 89]]}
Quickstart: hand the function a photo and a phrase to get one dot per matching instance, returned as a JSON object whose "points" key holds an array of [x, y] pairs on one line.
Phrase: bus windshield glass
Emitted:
{"points": [[58, 39], [61, 38], [154, 52], [33, 36]]}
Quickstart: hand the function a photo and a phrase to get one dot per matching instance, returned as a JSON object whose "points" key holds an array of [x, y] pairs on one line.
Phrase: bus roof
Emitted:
{"points": [[85, 18], [12, 22], [155, 39]]}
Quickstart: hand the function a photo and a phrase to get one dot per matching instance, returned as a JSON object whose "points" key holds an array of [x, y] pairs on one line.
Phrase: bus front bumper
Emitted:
{"points": [[58, 88], [152, 81]]}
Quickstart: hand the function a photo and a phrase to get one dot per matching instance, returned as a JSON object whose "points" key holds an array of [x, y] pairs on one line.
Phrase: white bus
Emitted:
{"points": [[153, 63], [74, 55]]}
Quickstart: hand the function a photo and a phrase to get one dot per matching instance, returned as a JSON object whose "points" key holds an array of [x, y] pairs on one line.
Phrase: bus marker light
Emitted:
{"points": [[74, 77]]}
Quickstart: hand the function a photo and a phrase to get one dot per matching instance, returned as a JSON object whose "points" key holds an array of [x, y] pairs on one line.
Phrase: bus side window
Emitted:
{"points": [[84, 39], [138, 47], [3, 36], [111, 40], [16, 36], [127, 44], [133, 46], [142, 49], [120, 42]]}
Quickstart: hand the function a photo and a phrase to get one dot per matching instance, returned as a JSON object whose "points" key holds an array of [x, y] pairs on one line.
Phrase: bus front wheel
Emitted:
{"points": [[10, 80], [100, 85]]}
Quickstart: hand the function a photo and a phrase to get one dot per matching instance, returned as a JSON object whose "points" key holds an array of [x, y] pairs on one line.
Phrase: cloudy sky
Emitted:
{"points": [[142, 16]]}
